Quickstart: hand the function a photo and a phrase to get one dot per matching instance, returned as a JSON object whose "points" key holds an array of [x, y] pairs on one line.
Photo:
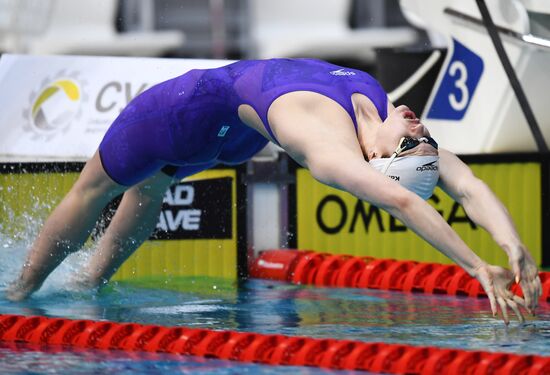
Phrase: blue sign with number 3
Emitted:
{"points": [[458, 85]]}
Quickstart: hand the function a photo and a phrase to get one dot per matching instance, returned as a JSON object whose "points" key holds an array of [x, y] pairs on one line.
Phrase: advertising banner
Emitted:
{"points": [[197, 209], [336, 222], [59, 107], [196, 232]]}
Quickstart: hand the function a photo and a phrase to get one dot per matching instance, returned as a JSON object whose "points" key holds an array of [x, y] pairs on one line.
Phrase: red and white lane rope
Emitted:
{"points": [[308, 267], [266, 349]]}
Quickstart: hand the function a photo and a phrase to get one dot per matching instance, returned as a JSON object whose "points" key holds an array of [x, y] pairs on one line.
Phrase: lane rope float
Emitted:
{"points": [[266, 349], [322, 269]]}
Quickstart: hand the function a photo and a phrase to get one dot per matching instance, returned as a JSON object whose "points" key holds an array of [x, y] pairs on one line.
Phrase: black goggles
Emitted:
{"points": [[407, 143]]}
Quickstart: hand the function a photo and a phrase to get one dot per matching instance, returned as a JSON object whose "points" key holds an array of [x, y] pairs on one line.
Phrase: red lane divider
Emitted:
{"points": [[308, 267], [267, 349]]}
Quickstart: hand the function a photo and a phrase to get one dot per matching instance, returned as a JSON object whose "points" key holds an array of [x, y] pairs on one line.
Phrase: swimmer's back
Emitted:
{"points": [[259, 82], [192, 120], [220, 91]]}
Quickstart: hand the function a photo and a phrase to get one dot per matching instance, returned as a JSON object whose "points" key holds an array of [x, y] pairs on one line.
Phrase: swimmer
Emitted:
{"points": [[335, 121]]}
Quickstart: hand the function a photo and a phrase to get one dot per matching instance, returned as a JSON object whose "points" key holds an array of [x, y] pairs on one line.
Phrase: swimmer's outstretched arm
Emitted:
{"points": [[486, 210], [360, 179], [351, 173], [320, 140]]}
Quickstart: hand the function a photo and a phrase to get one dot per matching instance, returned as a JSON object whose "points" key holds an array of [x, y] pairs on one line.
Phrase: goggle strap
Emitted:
{"points": [[394, 155], [400, 148]]}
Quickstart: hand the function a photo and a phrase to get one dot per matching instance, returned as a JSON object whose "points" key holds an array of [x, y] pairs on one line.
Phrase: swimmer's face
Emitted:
{"points": [[401, 122]]}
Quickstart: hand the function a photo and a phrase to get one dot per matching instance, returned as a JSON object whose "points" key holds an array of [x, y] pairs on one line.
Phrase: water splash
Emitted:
{"points": [[14, 253], [17, 232]]}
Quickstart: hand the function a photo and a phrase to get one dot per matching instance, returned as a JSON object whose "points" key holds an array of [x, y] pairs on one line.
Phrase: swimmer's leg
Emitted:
{"points": [[67, 228], [135, 219], [133, 222]]}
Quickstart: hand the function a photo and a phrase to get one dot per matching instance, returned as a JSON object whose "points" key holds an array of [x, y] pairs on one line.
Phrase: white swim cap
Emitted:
{"points": [[419, 174]]}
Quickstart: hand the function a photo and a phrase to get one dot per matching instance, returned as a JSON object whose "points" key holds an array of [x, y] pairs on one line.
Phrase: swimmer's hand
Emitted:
{"points": [[526, 274], [496, 281]]}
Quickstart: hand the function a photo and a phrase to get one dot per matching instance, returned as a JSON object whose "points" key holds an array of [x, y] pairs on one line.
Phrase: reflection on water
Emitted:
{"points": [[273, 307], [19, 358]]}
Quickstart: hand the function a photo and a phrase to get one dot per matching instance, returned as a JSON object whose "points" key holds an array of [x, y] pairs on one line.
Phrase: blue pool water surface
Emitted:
{"points": [[258, 306]]}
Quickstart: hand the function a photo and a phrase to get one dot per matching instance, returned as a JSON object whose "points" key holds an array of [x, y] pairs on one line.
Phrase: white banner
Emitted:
{"points": [[59, 107]]}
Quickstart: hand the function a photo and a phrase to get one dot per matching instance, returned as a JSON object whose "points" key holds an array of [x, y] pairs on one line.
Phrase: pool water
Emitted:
{"points": [[25, 359], [256, 306]]}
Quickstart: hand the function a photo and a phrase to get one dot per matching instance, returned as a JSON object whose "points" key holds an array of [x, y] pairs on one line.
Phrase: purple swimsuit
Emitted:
{"points": [[190, 123]]}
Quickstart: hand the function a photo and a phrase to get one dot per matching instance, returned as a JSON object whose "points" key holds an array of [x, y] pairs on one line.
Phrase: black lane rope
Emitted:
{"points": [[512, 77]]}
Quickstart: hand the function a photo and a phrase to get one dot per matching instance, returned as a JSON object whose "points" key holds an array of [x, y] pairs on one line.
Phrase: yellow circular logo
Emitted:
{"points": [[56, 105]]}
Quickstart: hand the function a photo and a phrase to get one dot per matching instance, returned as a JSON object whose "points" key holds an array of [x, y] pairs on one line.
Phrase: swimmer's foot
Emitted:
{"points": [[17, 292], [83, 283]]}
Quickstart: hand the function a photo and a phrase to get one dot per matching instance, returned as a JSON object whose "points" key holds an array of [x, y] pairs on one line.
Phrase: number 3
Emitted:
{"points": [[460, 83]]}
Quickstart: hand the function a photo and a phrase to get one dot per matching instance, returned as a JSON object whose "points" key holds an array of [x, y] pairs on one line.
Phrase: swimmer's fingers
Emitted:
{"points": [[504, 310], [529, 293], [538, 291], [484, 276], [496, 282], [520, 301], [506, 299], [514, 306], [526, 274], [504, 303], [532, 290], [492, 301]]}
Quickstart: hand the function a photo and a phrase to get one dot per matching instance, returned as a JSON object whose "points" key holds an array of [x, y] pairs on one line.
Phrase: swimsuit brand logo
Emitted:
{"points": [[223, 131], [342, 72], [427, 167]]}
